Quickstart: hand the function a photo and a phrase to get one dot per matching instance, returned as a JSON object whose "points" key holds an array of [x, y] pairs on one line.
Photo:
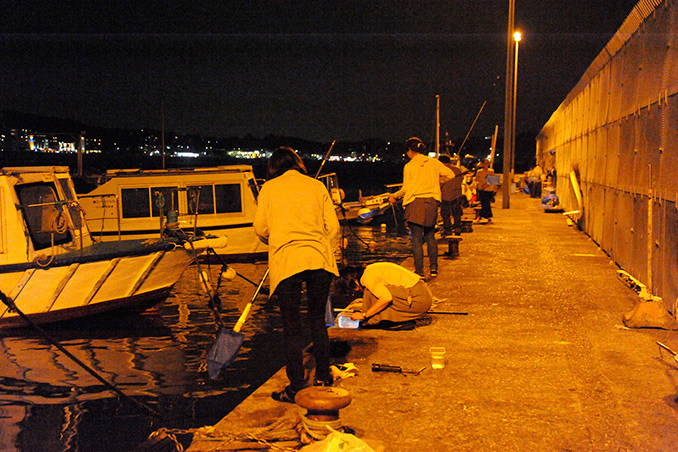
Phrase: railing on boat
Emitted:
{"points": [[103, 217]]}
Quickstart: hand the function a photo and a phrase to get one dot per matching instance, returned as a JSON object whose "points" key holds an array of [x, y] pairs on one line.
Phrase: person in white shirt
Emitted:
{"points": [[422, 177], [391, 293], [296, 218]]}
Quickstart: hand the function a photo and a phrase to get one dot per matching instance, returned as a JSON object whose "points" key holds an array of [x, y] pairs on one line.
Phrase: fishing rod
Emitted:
{"points": [[472, 125], [13, 307], [343, 210], [351, 311], [325, 159], [225, 266], [477, 116]]}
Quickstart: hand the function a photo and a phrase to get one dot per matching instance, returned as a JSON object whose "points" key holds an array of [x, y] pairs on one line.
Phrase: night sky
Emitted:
{"points": [[321, 70]]}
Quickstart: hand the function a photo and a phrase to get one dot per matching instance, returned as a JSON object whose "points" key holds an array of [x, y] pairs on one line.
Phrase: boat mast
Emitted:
{"points": [[162, 128], [437, 125], [81, 151]]}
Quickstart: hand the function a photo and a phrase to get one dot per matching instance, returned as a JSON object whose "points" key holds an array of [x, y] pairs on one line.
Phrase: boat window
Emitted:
{"points": [[143, 202], [203, 195], [165, 197], [46, 221], [135, 202], [228, 198]]}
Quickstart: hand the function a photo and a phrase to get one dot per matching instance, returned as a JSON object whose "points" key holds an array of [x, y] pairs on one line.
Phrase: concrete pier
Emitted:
{"points": [[541, 362]]}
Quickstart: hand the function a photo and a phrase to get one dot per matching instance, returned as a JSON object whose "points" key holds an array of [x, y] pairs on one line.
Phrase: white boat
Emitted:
{"points": [[52, 269], [363, 211], [133, 203], [366, 209]]}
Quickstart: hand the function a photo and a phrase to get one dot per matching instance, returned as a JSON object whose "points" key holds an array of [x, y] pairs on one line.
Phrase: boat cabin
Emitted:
{"points": [[134, 203], [40, 214]]}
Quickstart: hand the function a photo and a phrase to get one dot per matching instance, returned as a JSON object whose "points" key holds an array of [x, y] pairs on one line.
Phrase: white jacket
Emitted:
{"points": [[297, 219]]}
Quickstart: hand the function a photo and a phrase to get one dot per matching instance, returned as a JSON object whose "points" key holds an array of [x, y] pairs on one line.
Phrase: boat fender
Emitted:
{"points": [[230, 274], [203, 244], [205, 282]]}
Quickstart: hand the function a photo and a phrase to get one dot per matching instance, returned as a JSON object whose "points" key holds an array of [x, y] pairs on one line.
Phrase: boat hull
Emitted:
{"points": [[83, 285]]}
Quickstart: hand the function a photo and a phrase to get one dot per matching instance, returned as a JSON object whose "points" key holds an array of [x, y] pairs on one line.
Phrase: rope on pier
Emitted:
{"points": [[286, 434]]}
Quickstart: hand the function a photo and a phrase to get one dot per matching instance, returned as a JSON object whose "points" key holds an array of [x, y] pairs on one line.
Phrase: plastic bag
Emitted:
{"points": [[338, 442]]}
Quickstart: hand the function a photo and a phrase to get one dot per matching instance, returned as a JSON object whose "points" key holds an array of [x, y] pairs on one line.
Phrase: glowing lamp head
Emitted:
{"points": [[517, 36]]}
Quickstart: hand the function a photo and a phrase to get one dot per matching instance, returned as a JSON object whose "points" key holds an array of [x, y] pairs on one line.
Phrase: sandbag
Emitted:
{"points": [[649, 314], [338, 442]]}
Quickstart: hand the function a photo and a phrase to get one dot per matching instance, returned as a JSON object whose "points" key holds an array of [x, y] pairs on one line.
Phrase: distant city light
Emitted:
{"points": [[188, 154]]}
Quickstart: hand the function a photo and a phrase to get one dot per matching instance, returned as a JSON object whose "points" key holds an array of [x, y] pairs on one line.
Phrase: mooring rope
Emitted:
{"points": [[318, 430], [288, 428]]}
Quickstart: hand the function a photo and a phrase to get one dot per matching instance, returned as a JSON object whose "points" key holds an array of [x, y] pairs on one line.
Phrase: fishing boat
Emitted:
{"points": [[366, 209], [52, 270], [132, 203], [363, 211]]}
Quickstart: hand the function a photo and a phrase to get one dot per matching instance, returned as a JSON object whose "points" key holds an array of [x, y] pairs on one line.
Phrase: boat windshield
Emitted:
{"points": [[215, 198], [44, 214]]}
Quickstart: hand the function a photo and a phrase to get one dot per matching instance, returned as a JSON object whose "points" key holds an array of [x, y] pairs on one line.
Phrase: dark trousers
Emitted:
{"points": [[535, 189], [452, 210], [288, 294], [419, 235], [486, 198]]}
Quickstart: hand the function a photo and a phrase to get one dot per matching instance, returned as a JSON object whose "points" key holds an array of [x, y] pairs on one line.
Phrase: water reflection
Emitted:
{"points": [[49, 403]]}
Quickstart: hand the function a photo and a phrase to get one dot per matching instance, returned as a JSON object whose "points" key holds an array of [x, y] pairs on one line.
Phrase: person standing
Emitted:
{"points": [[296, 218], [451, 199], [485, 192], [422, 177]]}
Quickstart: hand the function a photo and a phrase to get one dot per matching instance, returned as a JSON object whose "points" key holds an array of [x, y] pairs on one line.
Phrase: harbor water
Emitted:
{"points": [[48, 403]]}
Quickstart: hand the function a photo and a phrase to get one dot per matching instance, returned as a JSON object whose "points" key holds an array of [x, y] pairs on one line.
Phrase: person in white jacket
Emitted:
{"points": [[297, 219], [422, 177]]}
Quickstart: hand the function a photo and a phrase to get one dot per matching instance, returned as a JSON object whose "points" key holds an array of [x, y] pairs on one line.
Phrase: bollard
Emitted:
{"points": [[452, 247], [323, 402]]}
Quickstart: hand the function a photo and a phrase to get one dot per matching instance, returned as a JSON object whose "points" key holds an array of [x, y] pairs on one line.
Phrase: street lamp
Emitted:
{"points": [[508, 108], [517, 36]]}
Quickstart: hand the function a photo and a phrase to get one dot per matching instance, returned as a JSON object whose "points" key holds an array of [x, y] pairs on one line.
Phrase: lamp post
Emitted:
{"points": [[517, 36], [508, 109]]}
